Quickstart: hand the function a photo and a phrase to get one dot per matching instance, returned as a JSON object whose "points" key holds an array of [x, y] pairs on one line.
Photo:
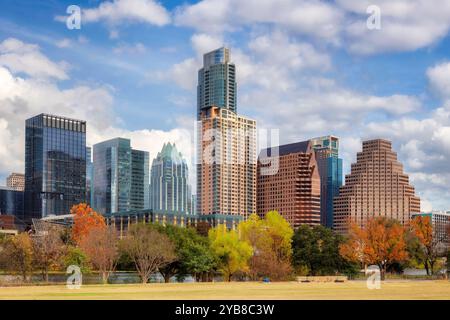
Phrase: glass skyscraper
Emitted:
{"points": [[216, 81], [330, 171], [169, 186], [11, 202], [120, 177], [55, 165], [89, 176]]}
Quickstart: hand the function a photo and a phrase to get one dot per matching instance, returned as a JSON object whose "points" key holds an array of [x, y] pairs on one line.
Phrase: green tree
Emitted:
{"points": [[317, 249], [233, 254], [198, 259], [76, 256], [192, 250]]}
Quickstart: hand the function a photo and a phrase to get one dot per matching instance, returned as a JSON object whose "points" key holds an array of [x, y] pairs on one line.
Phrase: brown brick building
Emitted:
{"points": [[226, 169], [375, 187], [289, 183]]}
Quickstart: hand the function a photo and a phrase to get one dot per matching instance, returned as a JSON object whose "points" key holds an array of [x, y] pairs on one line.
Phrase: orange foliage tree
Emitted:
{"points": [[85, 219], [431, 246], [382, 243]]}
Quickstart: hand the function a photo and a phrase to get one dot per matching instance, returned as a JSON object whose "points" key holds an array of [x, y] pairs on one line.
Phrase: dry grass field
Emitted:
{"points": [[390, 290]]}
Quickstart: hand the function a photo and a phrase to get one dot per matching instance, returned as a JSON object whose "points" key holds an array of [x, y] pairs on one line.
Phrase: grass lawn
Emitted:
{"points": [[238, 290]]}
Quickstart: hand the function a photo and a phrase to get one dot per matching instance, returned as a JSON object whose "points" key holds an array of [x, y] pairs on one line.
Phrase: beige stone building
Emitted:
{"points": [[226, 163], [376, 186], [16, 181], [290, 183]]}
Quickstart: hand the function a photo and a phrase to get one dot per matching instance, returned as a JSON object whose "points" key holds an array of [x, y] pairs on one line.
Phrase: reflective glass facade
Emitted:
{"points": [[55, 165], [330, 170], [89, 176], [216, 81], [12, 202], [120, 177], [169, 186]]}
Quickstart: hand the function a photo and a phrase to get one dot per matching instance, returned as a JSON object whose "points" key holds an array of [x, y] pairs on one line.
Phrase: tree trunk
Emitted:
{"points": [[427, 269], [167, 277], [431, 267], [104, 277], [382, 272]]}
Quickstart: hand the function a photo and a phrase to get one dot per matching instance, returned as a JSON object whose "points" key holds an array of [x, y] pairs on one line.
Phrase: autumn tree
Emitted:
{"points": [[233, 254], [381, 242], [430, 246], [101, 247], [85, 219], [149, 249], [17, 254], [270, 239], [48, 250]]}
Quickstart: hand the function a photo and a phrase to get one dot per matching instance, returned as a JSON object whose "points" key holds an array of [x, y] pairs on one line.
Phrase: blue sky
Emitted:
{"points": [[305, 67]]}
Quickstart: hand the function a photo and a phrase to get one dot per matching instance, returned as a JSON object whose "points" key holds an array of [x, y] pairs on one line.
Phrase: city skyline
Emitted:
{"points": [[337, 82]]}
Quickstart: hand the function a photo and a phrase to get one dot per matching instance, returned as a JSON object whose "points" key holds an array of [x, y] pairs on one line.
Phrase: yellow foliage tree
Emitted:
{"points": [[232, 253], [271, 240]]}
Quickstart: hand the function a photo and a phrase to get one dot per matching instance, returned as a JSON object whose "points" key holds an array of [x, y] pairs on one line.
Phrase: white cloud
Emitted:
{"points": [[310, 17], [22, 98], [407, 25], [123, 48], [439, 78], [117, 11], [203, 43], [64, 43], [20, 57]]}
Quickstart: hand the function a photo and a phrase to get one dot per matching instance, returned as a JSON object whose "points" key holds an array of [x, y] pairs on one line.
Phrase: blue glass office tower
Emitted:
{"points": [[121, 179], [169, 184], [89, 176], [330, 171], [55, 165], [216, 81], [12, 202]]}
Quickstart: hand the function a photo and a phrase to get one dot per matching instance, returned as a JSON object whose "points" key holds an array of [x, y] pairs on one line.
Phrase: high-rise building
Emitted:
{"points": [[120, 177], [140, 180], [12, 202], [330, 171], [226, 169], [89, 176], [55, 165], [375, 187], [289, 182], [216, 81], [169, 182], [440, 221], [16, 181]]}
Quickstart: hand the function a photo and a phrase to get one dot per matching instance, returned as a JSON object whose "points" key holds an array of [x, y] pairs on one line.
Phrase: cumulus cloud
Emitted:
{"points": [[25, 58], [406, 24], [439, 77], [118, 11], [309, 17], [22, 98], [123, 48]]}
